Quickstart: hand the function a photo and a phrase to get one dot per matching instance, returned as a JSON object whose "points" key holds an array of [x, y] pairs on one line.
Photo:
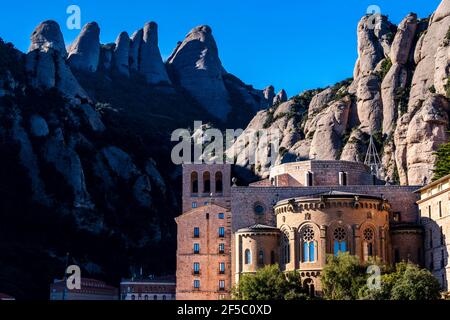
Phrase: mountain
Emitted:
{"points": [[399, 94]]}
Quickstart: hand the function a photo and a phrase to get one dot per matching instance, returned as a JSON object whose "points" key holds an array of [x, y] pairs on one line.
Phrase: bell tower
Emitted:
{"points": [[205, 183]]}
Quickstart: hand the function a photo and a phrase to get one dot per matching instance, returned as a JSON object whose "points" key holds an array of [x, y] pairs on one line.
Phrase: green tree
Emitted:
{"points": [[406, 282], [343, 277], [270, 283], [442, 165], [416, 284]]}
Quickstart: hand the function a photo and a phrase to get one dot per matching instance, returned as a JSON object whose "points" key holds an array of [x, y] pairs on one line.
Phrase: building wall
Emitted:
{"points": [[436, 224], [325, 173], [147, 290], [255, 241], [206, 218]]}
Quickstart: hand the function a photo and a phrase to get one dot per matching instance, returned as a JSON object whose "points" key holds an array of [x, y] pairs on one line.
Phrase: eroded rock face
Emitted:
{"points": [[46, 64], [151, 64], [404, 106], [197, 68], [84, 53], [122, 53], [46, 36], [281, 97]]}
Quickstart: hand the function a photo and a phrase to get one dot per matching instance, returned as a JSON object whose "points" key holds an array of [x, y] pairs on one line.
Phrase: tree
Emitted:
{"points": [[269, 283], [342, 277], [442, 165], [407, 282], [416, 284]]}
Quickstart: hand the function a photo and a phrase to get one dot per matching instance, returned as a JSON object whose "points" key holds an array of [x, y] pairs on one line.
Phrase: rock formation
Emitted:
{"points": [[46, 64], [84, 53], [122, 54], [399, 94]]}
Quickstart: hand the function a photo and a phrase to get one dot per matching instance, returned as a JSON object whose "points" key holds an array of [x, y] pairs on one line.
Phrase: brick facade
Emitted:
{"points": [[342, 196], [434, 206]]}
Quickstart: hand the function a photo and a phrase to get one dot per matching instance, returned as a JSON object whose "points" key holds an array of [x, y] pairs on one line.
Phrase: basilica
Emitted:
{"points": [[302, 213]]}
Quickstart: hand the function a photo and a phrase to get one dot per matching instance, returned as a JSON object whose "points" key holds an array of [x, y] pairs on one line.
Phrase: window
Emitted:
{"points": [[222, 232], [431, 239], [440, 209], [207, 216], [340, 240], [194, 205], [196, 232], [248, 257], [155, 297], [221, 216], [308, 179], [222, 268], [397, 217], [442, 259], [206, 182], [368, 240], [219, 182], [429, 212], [194, 182], [342, 178], [431, 261], [196, 248], [222, 285], [259, 209], [146, 297], [261, 258], [196, 268], [164, 298], [196, 284], [309, 244], [286, 249], [397, 256], [222, 248], [272, 257]]}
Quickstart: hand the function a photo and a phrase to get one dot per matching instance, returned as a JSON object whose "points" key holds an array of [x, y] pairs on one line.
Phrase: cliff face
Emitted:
{"points": [[399, 94]]}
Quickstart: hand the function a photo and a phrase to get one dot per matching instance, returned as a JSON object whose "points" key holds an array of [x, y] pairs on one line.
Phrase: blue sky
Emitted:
{"points": [[292, 44]]}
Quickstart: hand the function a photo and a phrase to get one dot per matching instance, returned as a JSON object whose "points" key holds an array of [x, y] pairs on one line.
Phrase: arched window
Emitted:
{"points": [[248, 257], [309, 179], [261, 258], [342, 178], [194, 182], [219, 182], [340, 240], [206, 182], [368, 243], [308, 245], [286, 249], [155, 297], [272, 258]]}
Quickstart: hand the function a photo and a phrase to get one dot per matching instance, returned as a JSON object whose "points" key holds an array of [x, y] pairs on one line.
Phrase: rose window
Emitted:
{"points": [[368, 234], [308, 234], [340, 234]]}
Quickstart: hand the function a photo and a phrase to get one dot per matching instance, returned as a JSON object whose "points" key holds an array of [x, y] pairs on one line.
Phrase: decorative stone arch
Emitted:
{"points": [[309, 238], [286, 243], [219, 182], [207, 182], [369, 237], [194, 182], [340, 232]]}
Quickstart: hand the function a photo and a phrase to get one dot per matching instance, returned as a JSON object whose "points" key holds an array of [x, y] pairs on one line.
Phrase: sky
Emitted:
{"points": [[291, 44]]}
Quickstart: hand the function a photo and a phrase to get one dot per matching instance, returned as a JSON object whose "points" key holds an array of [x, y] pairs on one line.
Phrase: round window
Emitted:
{"points": [[259, 209]]}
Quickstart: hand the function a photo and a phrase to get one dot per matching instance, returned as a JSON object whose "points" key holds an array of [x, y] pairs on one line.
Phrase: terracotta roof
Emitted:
{"points": [[4, 296]]}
